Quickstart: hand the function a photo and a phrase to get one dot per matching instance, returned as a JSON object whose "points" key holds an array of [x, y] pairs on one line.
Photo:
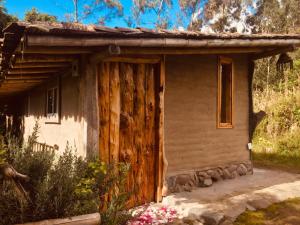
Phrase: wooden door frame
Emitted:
{"points": [[161, 162]]}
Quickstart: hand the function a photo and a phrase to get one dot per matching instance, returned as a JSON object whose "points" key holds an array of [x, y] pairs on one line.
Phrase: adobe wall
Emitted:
{"points": [[78, 123], [193, 143]]}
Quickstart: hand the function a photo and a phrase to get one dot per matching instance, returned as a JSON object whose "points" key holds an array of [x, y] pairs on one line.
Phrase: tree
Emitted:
{"points": [[157, 9], [33, 16], [101, 10], [4, 17], [216, 15], [191, 14]]}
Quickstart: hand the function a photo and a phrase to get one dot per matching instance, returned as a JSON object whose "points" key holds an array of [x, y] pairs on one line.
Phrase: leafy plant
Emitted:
{"points": [[104, 182], [61, 186]]}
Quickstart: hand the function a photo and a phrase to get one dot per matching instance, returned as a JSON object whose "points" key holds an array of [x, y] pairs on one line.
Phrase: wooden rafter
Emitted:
{"points": [[33, 71], [41, 58], [56, 50], [41, 65], [273, 52]]}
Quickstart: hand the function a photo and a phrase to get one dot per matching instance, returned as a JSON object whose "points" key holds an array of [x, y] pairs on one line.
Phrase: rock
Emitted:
{"points": [[210, 172], [187, 188], [216, 176], [250, 208], [232, 168], [183, 179], [234, 174], [176, 222], [207, 182], [259, 203], [171, 182], [226, 174], [212, 218], [220, 172], [226, 222], [202, 174], [242, 170], [188, 221]]}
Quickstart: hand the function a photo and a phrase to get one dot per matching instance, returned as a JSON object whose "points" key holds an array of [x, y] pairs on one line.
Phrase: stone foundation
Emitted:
{"points": [[206, 177]]}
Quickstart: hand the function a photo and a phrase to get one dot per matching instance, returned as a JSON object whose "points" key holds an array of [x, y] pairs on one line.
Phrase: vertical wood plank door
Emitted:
{"points": [[129, 123]]}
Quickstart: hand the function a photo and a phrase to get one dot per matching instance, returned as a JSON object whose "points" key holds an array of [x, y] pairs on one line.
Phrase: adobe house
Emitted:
{"points": [[176, 105]]}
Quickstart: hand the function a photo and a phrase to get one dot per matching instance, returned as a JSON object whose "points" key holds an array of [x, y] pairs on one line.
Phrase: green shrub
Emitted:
{"points": [[107, 181], [59, 187]]}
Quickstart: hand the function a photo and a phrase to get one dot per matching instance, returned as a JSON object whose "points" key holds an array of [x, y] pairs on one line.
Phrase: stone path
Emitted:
{"points": [[226, 200]]}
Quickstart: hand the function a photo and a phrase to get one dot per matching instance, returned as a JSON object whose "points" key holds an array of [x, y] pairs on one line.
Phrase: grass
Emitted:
{"points": [[283, 213], [286, 162]]}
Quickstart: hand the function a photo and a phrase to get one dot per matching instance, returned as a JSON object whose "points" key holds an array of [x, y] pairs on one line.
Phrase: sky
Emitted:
{"points": [[60, 7], [55, 7]]}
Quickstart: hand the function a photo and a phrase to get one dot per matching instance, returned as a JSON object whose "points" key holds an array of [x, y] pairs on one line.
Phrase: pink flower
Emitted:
{"points": [[154, 216]]}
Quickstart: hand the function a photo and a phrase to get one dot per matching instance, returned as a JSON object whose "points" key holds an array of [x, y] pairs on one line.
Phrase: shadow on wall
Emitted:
{"points": [[11, 119]]}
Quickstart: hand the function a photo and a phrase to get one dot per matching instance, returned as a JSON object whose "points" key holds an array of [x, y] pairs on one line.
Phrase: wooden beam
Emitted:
{"points": [[55, 41], [23, 81], [31, 58], [34, 71], [273, 52], [162, 162], [41, 65], [132, 60], [189, 51], [57, 50], [25, 77]]}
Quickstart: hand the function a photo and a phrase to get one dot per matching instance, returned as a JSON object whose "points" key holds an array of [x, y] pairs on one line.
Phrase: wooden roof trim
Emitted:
{"points": [[59, 41]]}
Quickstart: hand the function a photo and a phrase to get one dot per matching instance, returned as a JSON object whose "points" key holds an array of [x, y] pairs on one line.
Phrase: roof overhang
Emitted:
{"points": [[33, 53]]}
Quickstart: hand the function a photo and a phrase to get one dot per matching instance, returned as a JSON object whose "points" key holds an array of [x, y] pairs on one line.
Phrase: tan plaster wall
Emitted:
{"points": [[192, 140], [72, 126]]}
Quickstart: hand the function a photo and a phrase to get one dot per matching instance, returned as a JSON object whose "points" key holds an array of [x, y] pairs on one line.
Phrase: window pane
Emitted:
{"points": [[55, 100], [226, 98], [50, 101]]}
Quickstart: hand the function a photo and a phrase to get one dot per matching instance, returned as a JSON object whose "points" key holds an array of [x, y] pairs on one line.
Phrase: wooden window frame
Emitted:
{"points": [[228, 61], [53, 118]]}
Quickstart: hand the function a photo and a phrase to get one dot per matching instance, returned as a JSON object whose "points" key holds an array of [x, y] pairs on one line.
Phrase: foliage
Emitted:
{"points": [[279, 213], [5, 18], [158, 8], [276, 141], [107, 181], [101, 10], [34, 15], [61, 186]]}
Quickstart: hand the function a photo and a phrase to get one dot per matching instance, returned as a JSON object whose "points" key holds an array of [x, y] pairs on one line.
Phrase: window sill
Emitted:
{"points": [[52, 119], [225, 126]]}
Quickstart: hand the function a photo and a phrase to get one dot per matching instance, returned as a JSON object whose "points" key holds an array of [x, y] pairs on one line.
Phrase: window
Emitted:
{"points": [[225, 93], [52, 101]]}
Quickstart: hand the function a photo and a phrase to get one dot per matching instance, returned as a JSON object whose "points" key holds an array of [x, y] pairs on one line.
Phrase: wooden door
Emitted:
{"points": [[129, 123]]}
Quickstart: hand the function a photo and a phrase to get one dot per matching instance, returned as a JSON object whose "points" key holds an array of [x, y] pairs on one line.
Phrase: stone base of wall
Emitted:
{"points": [[206, 177]]}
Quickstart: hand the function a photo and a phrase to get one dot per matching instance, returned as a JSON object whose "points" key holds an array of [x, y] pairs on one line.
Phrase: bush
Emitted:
{"points": [[59, 187], [107, 181]]}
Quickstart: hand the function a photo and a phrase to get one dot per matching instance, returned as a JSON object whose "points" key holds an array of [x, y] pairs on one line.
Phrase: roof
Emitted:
{"points": [[67, 29], [31, 53]]}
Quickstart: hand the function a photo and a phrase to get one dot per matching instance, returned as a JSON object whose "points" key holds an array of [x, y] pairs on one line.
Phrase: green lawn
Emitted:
{"points": [[284, 213]]}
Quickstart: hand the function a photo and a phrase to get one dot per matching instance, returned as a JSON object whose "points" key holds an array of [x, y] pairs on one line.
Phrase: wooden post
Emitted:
{"points": [[114, 112], [103, 90], [162, 161], [89, 99]]}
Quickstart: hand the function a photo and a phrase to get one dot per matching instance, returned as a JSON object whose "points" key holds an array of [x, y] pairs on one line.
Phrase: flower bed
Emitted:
{"points": [[153, 215]]}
